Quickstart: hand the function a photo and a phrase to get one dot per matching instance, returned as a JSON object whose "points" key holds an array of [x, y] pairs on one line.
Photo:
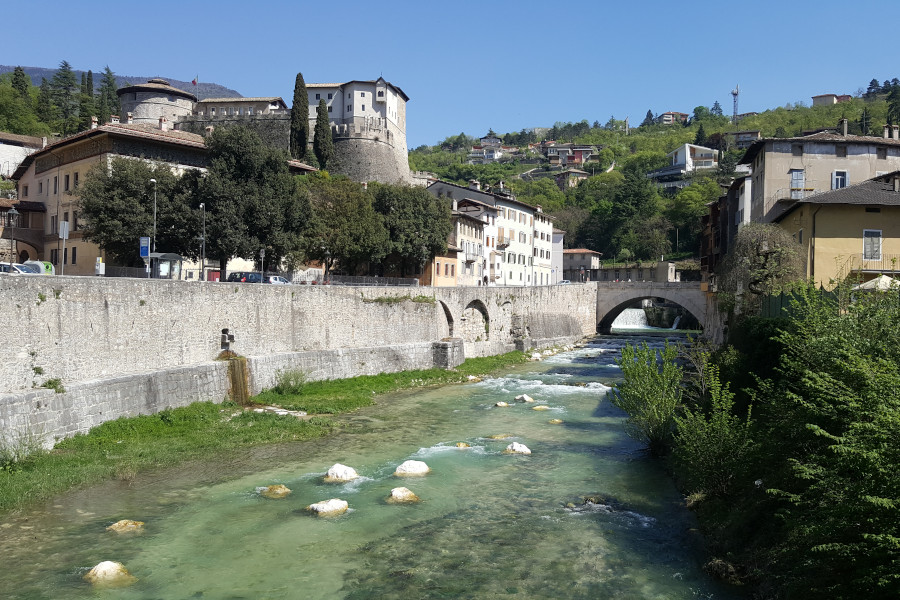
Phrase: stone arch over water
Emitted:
{"points": [[449, 317], [475, 323], [611, 312]]}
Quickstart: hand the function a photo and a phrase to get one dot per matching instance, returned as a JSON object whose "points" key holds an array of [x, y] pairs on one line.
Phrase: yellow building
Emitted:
{"points": [[849, 231]]}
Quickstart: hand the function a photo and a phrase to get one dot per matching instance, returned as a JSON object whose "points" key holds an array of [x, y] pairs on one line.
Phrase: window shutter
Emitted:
{"points": [[834, 180]]}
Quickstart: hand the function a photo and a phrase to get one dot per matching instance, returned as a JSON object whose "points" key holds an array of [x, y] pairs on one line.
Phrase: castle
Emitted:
{"points": [[367, 118]]}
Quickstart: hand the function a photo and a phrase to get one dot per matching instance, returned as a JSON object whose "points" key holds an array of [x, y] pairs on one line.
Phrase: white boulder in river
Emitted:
{"points": [[402, 495], [329, 508], [339, 473], [110, 574], [412, 468], [524, 398], [517, 448]]}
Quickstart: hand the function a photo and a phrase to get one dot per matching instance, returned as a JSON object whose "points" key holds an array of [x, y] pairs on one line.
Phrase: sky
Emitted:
{"points": [[469, 66]]}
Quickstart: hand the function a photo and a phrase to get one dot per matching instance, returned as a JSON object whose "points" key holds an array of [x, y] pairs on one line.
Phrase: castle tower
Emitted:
{"points": [[368, 124], [147, 102]]}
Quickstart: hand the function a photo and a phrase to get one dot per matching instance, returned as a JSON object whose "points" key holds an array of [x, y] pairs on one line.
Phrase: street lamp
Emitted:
{"points": [[262, 264], [11, 216], [153, 181], [203, 245]]}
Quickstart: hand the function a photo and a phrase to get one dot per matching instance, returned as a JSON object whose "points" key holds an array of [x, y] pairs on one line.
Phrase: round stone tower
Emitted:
{"points": [[147, 102]]}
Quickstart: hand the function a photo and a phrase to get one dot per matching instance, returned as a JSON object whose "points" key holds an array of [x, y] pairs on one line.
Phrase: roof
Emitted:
{"points": [[296, 165], [20, 140], [757, 146], [878, 191], [581, 251], [156, 85], [372, 81]]}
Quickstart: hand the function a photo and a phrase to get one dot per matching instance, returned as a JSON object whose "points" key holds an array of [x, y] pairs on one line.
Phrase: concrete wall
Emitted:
{"points": [[123, 347]]}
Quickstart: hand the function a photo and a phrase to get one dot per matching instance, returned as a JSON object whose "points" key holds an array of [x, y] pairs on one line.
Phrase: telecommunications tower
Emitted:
{"points": [[734, 93]]}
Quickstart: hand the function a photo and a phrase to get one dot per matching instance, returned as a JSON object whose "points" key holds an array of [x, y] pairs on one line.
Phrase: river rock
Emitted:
{"points": [[274, 491], [517, 448], [501, 436], [339, 473], [535, 356], [473, 379], [540, 407], [502, 404], [462, 445], [110, 574], [548, 352], [524, 398], [412, 468], [402, 495], [329, 508], [126, 526], [555, 421]]}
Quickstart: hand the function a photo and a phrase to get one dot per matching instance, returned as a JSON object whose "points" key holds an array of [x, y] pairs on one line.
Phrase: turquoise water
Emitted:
{"points": [[490, 524]]}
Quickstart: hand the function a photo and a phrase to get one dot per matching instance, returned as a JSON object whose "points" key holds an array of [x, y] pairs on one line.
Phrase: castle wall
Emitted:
{"points": [[273, 129], [148, 107]]}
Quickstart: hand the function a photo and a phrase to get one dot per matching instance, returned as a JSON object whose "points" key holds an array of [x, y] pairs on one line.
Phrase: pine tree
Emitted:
{"points": [[648, 120], [323, 145], [64, 88], [893, 102], [865, 121], [716, 109], [299, 119], [44, 108], [20, 82], [874, 88], [86, 107], [701, 136]]}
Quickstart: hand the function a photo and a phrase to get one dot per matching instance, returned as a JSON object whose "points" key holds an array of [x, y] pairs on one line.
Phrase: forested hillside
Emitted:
{"points": [[621, 213]]}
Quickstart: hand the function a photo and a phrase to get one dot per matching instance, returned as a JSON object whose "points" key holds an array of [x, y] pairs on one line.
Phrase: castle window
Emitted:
{"points": [[329, 96], [362, 94], [380, 93], [212, 111], [249, 110], [363, 108], [881, 153], [329, 109]]}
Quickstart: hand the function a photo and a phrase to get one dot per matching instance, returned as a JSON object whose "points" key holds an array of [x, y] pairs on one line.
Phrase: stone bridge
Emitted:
{"points": [[614, 297]]}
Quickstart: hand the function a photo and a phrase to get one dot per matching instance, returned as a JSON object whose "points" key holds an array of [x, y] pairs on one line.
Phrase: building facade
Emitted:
{"points": [[147, 102]]}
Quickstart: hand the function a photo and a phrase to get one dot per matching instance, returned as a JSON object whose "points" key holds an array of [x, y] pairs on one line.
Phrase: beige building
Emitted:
{"points": [[468, 237], [852, 231], [801, 167], [581, 265], [240, 107], [51, 176]]}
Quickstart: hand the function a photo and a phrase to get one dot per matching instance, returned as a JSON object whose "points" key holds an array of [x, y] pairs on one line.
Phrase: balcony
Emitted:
{"points": [[503, 241], [471, 257], [884, 264]]}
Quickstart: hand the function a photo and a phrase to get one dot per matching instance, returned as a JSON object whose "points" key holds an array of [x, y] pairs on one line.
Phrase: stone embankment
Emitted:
{"points": [[79, 351]]}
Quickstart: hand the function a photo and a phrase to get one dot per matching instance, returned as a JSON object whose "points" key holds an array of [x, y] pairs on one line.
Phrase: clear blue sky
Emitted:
{"points": [[473, 65]]}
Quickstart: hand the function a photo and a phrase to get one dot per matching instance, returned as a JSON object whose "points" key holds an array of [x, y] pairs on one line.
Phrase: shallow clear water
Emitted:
{"points": [[490, 525]]}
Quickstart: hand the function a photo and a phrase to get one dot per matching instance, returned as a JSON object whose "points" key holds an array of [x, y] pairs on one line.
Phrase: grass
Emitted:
{"points": [[123, 448]]}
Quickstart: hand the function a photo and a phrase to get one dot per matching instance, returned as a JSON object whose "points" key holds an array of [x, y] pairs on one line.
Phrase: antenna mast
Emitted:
{"points": [[734, 93]]}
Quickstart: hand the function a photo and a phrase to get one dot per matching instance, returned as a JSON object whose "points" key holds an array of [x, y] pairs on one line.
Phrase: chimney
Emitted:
{"points": [[887, 129], [44, 142], [94, 122], [897, 183], [896, 132], [129, 118], [455, 205], [114, 118], [163, 124], [843, 125], [474, 184]]}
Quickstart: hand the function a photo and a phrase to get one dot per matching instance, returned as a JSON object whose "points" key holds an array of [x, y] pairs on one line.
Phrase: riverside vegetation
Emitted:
{"points": [[784, 443], [125, 447]]}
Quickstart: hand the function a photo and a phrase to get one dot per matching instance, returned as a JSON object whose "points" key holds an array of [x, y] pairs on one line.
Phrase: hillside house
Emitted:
{"points": [[672, 117]]}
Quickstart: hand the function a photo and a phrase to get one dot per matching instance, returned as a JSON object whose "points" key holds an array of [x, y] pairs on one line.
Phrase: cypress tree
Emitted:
{"points": [[701, 136], [64, 87], [323, 145], [108, 96], [44, 108], [299, 119], [86, 107]]}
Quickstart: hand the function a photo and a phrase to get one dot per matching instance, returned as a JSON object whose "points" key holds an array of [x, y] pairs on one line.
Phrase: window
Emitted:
{"points": [[797, 149], [438, 269], [54, 256], [55, 184], [798, 182], [74, 254], [362, 94], [53, 220], [76, 179], [381, 93], [452, 270], [65, 255], [40, 187], [318, 96], [74, 220], [446, 269], [66, 183], [840, 150], [66, 216], [881, 153], [25, 191], [839, 179], [329, 96], [329, 109], [871, 244]]}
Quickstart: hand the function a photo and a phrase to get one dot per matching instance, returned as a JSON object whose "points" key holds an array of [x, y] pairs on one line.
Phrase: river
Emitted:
{"points": [[490, 524]]}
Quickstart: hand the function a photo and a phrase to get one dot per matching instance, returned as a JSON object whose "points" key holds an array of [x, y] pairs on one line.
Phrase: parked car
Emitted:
{"points": [[244, 277], [564, 282], [40, 266], [277, 280], [17, 269]]}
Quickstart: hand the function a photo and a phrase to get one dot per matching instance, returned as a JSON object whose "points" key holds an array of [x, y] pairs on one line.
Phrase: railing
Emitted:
{"points": [[503, 242], [350, 280], [884, 263], [471, 257]]}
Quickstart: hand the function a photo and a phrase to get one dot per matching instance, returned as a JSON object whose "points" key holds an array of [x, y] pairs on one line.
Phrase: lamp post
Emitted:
{"points": [[153, 181], [262, 264], [203, 245], [11, 221]]}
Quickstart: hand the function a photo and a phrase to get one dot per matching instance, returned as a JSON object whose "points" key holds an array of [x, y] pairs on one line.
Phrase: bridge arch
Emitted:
{"points": [[449, 317], [475, 323], [613, 299]]}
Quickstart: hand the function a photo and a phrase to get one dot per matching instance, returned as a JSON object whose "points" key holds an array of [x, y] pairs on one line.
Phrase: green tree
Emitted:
{"points": [[299, 119], [44, 109], [865, 121], [344, 229], [107, 99], [323, 144], [716, 109], [417, 223], [21, 83], [893, 103], [648, 119], [700, 138], [64, 88], [873, 89], [86, 108], [649, 393]]}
